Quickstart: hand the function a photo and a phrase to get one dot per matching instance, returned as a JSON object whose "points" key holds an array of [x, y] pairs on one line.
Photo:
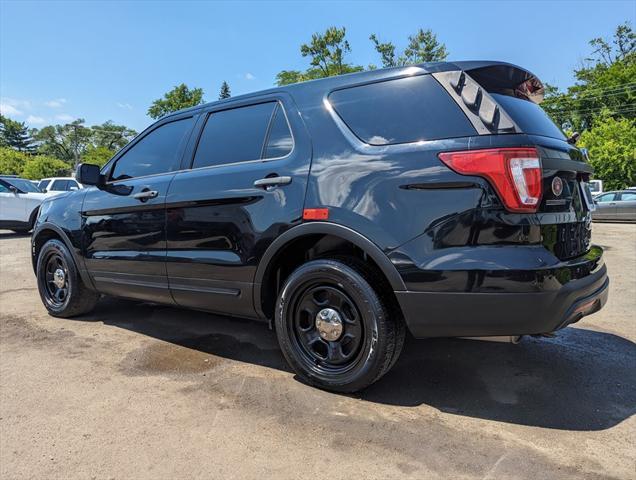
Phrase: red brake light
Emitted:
{"points": [[515, 173]]}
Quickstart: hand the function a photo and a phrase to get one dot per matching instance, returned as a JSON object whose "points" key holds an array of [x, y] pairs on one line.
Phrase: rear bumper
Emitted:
{"points": [[471, 314]]}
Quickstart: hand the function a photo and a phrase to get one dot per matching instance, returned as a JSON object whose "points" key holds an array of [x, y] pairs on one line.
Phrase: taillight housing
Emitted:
{"points": [[515, 173]]}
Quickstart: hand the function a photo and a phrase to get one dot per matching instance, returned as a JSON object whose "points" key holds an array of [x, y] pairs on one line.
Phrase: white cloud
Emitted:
{"points": [[33, 119], [125, 106], [249, 76], [9, 110], [64, 117], [56, 103]]}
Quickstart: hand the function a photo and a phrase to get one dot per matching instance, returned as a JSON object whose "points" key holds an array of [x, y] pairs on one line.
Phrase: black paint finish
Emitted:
{"points": [[444, 242]]}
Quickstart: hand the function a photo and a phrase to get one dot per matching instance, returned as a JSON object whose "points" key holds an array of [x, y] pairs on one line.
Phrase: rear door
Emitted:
{"points": [[246, 186], [626, 206], [124, 222], [606, 206]]}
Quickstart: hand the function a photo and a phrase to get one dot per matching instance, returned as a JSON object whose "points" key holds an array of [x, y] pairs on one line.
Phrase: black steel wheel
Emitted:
{"points": [[61, 288], [56, 280], [333, 327]]}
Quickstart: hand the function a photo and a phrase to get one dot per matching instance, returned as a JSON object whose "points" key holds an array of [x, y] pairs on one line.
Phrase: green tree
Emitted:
{"points": [[65, 142], [326, 52], [97, 155], [16, 135], [422, 47], [111, 136], [225, 91], [11, 161], [179, 97], [607, 82], [611, 143], [40, 166]]}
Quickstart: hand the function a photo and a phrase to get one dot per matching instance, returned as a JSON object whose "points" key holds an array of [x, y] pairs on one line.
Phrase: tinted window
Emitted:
{"points": [[4, 189], [401, 111], [530, 117], [157, 152], [608, 197], [235, 135], [279, 139], [59, 186], [43, 183], [628, 196], [23, 185]]}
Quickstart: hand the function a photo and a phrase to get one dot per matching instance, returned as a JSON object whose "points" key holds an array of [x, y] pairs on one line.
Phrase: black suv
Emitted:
{"points": [[437, 198]]}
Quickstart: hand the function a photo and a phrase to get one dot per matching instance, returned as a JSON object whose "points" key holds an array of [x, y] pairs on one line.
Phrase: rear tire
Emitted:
{"points": [[333, 327], [61, 288]]}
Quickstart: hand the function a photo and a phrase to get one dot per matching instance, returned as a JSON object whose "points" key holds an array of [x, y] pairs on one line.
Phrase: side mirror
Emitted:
{"points": [[14, 189], [88, 174], [72, 189]]}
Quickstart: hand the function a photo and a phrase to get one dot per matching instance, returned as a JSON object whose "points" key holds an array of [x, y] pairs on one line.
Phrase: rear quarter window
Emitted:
{"points": [[529, 116], [401, 111]]}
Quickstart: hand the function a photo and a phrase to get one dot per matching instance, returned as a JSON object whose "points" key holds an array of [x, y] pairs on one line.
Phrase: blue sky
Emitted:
{"points": [[109, 60]]}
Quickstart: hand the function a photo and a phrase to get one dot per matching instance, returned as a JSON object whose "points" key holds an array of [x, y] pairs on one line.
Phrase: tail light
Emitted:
{"points": [[515, 173]]}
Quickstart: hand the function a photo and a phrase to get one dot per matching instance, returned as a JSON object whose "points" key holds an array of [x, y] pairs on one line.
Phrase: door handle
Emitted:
{"points": [[272, 182], [145, 195], [612, 203]]}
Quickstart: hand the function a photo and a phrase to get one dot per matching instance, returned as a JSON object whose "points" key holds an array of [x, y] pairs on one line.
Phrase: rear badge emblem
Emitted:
{"points": [[557, 186]]}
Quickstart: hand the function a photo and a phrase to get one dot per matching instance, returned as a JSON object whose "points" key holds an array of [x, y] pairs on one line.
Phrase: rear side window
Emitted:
{"points": [[235, 135], [628, 196], [530, 117], [59, 186], [279, 139], [157, 152], [401, 111]]}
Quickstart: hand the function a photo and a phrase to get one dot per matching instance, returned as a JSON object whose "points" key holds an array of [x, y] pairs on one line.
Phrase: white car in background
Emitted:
{"points": [[56, 185], [20, 201]]}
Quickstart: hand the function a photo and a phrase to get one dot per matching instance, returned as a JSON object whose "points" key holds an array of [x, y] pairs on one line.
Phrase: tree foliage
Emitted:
{"points": [[179, 97], [97, 155], [607, 82], [13, 162], [111, 136], [65, 142], [611, 143], [16, 135], [40, 166], [422, 47], [225, 91], [326, 52]]}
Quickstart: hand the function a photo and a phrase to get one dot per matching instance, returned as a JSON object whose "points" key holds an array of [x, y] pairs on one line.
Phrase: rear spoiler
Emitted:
{"points": [[471, 84], [504, 78]]}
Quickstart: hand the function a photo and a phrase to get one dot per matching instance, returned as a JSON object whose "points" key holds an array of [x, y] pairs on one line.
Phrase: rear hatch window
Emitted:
{"points": [[401, 111], [529, 116]]}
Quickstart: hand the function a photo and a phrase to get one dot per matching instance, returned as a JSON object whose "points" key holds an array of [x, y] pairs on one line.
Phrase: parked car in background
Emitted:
{"points": [[619, 205], [20, 200], [59, 184], [438, 198]]}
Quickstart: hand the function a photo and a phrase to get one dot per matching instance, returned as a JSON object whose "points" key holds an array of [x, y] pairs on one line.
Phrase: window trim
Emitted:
{"points": [[259, 101], [108, 168]]}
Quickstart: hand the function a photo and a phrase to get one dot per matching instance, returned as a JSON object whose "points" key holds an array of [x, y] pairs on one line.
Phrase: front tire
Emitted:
{"points": [[334, 329], [61, 288]]}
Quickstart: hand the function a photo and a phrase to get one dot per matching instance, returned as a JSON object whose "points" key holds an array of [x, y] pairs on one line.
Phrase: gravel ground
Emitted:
{"points": [[139, 391]]}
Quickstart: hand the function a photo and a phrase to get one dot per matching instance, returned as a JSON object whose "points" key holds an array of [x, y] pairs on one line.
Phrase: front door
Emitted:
{"points": [[124, 221], [246, 186]]}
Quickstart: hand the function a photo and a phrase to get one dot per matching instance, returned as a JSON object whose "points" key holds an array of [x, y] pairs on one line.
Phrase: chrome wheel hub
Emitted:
{"points": [[59, 278], [329, 324]]}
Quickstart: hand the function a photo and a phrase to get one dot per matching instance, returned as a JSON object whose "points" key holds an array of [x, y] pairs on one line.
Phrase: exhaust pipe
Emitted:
{"points": [[514, 339]]}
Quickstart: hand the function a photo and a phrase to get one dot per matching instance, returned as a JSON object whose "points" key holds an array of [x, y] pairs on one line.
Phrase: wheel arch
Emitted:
{"points": [[307, 232], [47, 231]]}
